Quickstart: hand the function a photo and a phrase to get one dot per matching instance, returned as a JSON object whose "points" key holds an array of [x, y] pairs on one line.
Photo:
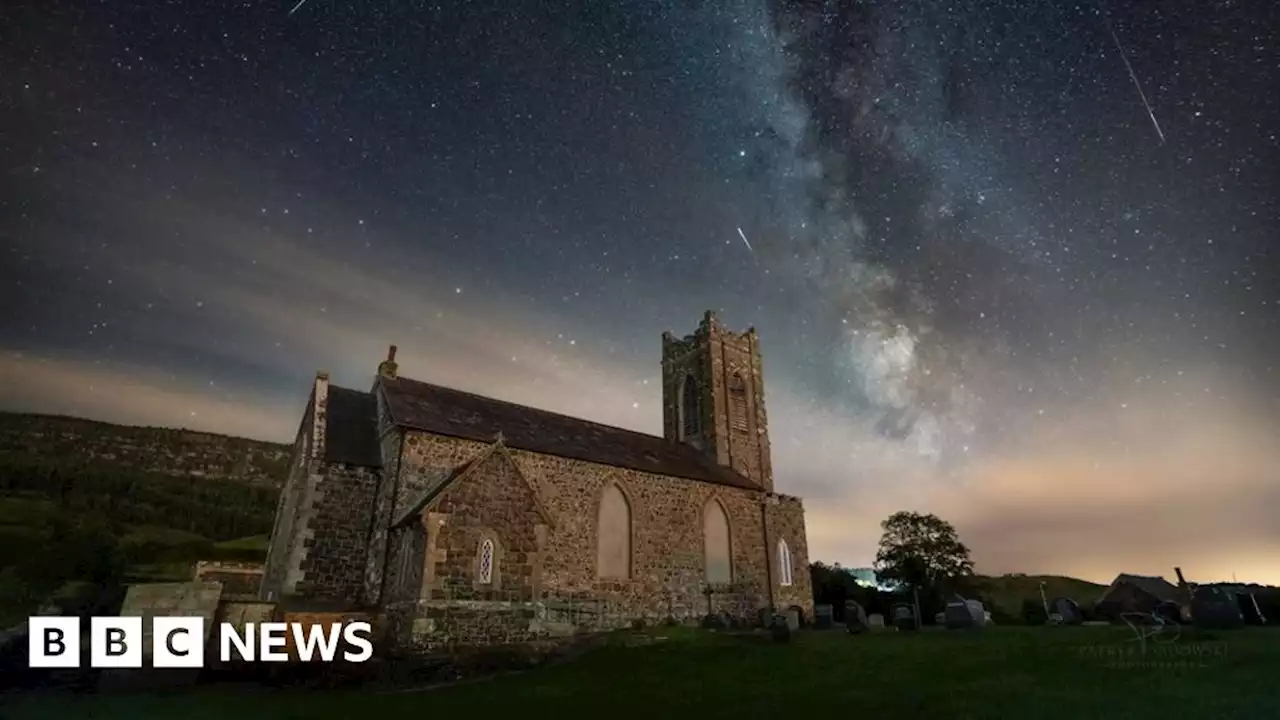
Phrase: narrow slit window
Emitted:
{"points": [[738, 403], [486, 562], [784, 564], [690, 410]]}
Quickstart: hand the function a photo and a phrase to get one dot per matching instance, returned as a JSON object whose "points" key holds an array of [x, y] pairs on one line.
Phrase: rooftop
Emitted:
{"points": [[454, 413]]}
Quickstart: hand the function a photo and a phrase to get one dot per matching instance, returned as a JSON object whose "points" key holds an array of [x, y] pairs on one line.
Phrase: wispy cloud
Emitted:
{"points": [[1093, 491], [135, 395]]}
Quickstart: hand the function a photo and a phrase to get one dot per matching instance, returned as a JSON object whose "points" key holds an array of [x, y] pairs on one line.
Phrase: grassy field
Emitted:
{"points": [[998, 673]]}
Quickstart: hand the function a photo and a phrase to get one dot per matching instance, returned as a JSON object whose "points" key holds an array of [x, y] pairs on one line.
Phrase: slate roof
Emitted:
{"points": [[445, 411], [1157, 587], [351, 428]]}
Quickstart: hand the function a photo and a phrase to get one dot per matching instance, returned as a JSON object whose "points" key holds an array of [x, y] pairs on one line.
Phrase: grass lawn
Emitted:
{"points": [[998, 673]]}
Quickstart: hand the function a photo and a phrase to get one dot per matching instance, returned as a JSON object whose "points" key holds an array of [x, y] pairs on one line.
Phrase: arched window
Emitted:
{"points": [[715, 529], [784, 563], [738, 403], [690, 408], [486, 562], [613, 540]]}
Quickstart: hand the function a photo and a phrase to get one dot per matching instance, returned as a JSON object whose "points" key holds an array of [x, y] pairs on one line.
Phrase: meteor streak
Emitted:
{"points": [[1134, 77]]}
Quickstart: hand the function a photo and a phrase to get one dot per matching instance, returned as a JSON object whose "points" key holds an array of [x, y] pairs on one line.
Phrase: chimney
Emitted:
{"points": [[319, 415], [387, 368]]}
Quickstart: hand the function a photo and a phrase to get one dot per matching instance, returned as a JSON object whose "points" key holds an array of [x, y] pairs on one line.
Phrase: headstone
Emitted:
{"points": [[1068, 610], [780, 628], [793, 620], [151, 600], [823, 617], [799, 611], [766, 617], [875, 621], [1213, 608], [962, 614], [904, 616], [855, 618]]}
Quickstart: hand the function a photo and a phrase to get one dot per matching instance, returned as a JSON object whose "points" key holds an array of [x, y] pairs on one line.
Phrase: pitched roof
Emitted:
{"points": [[445, 411], [351, 428], [1157, 587]]}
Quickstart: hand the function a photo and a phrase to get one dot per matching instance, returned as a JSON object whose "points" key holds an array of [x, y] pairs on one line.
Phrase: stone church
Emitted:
{"points": [[463, 520]]}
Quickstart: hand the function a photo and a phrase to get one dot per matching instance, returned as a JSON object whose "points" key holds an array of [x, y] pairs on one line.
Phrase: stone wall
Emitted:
{"points": [[336, 538], [490, 502], [729, 372], [185, 453], [390, 440], [240, 581], [289, 509], [435, 626], [321, 540], [171, 599], [786, 521], [240, 613], [437, 592], [668, 552]]}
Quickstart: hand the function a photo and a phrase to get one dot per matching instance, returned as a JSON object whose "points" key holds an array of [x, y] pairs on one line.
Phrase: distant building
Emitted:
{"points": [[465, 520]]}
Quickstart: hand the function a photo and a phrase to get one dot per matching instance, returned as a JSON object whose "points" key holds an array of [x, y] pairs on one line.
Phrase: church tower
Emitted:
{"points": [[713, 397]]}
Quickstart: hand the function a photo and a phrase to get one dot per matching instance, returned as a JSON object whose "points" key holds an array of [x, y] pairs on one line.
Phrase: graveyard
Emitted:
{"points": [[1045, 671]]}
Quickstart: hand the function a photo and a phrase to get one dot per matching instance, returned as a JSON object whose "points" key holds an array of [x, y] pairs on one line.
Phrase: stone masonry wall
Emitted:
{"points": [[151, 600], [403, 583], [337, 543], [452, 606], [238, 614], [491, 501], [744, 443], [240, 581], [321, 541], [713, 356], [786, 521], [390, 440], [283, 537], [668, 567]]}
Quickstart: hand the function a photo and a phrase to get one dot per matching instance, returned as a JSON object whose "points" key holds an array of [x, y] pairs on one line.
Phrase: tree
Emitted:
{"points": [[834, 585], [922, 552]]}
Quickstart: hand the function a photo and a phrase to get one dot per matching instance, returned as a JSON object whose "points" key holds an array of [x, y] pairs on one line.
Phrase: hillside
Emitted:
{"points": [[1008, 592], [74, 442], [86, 506]]}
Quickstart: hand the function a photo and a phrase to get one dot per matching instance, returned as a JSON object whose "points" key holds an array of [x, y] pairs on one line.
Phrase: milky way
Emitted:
{"points": [[983, 284]]}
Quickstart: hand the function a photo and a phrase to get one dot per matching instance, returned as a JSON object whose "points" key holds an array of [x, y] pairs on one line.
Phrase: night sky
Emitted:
{"points": [[988, 282]]}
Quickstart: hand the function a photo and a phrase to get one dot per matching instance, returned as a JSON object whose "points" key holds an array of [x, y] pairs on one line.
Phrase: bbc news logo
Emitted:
{"points": [[179, 642]]}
